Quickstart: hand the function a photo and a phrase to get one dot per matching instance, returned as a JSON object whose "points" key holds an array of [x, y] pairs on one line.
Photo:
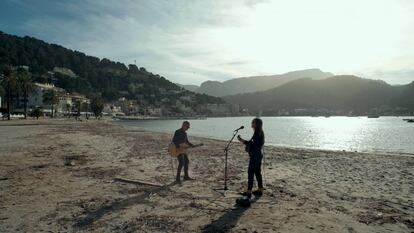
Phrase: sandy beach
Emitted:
{"points": [[63, 176]]}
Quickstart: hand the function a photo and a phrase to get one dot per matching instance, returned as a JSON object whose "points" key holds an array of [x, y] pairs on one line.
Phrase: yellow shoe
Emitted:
{"points": [[258, 192]]}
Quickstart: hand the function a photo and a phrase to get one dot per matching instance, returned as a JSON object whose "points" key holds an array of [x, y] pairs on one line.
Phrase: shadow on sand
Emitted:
{"points": [[228, 220], [117, 205]]}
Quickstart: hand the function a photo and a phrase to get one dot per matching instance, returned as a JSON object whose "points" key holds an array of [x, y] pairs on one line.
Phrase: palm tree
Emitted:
{"points": [[2, 91], [10, 81], [85, 107], [78, 108], [97, 106], [68, 109], [51, 97], [25, 83]]}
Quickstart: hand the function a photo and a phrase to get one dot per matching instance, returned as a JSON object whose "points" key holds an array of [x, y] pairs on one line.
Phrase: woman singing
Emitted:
{"points": [[254, 148]]}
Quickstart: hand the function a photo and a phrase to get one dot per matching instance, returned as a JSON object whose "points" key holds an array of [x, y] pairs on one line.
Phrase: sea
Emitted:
{"points": [[361, 134]]}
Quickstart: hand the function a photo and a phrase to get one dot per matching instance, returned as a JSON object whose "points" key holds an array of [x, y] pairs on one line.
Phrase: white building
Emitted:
{"points": [[155, 111], [65, 104], [113, 110], [36, 97], [219, 109]]}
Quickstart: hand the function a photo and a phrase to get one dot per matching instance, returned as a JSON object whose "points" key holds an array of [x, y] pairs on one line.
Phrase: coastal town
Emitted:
{"points": [[164, 104], [63, 103]]}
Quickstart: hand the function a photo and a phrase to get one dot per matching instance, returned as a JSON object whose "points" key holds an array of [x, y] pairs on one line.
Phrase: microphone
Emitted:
{"points": [[241, 127]]}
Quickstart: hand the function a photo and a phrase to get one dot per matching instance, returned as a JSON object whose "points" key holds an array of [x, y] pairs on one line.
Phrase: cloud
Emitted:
{"points": [[193, 41], [404, 76], [162, 35]]}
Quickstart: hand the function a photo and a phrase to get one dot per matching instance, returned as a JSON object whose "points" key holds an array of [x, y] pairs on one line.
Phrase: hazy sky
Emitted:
{"points": [[193, 41]]}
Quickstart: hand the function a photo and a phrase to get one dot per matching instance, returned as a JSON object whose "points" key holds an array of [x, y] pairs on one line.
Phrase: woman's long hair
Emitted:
{"points": [[259, 126]]}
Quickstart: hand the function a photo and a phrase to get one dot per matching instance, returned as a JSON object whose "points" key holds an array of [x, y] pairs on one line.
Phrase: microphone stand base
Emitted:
{"points": [[227, 192]]}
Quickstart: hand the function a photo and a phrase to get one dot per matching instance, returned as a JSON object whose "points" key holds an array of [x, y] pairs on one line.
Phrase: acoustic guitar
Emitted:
{"points": [[182, 149]]}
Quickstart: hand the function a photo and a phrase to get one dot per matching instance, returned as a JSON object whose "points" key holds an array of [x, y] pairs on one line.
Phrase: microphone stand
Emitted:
{"points": [[226, 150]]}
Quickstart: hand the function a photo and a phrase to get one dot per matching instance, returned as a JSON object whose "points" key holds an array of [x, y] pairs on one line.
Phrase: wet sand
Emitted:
{"points": [[60, 176]]}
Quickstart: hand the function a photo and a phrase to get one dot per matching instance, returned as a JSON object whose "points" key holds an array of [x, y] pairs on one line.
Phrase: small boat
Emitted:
{"points": [[410, 121], [373, 116]]}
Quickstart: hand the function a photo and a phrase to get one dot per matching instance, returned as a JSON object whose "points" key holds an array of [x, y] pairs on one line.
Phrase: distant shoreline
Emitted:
{"points": [[117, 122], [138, 118]]}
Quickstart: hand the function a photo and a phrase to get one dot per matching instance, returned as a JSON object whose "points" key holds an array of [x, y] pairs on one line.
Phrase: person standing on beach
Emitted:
{"points": [[180, 136], [254, 148]]}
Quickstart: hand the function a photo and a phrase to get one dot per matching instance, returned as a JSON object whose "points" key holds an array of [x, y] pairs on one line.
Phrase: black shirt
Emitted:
{"points": [[255, 144], [180, 136]]}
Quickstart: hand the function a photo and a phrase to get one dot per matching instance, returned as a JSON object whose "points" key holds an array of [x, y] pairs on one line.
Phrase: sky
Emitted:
{"points": [[192, 41]]}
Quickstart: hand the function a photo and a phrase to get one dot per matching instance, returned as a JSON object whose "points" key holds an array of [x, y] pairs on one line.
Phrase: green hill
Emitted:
{"points": [[90, 75]]}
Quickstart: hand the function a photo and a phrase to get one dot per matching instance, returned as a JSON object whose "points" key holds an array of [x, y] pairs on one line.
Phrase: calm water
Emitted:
{"points": [[385, 134]]}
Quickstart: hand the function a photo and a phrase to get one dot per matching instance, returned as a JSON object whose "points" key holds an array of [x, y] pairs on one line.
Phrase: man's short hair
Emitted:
{"points": [[187, 123]]}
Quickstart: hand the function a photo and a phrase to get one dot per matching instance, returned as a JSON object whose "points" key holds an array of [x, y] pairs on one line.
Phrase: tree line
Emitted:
{"points": [[94, 76]]}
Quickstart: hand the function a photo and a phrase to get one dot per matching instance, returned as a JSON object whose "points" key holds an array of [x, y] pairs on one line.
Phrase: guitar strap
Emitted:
{"points": [[264, 167]]}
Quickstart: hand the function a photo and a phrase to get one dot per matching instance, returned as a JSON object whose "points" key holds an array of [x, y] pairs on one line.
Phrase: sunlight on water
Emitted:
{"points": [[385, 134]]}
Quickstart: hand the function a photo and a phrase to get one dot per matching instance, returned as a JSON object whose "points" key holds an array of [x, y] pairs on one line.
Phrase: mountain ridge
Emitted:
{"points": [[256, 83], [342, 93]]}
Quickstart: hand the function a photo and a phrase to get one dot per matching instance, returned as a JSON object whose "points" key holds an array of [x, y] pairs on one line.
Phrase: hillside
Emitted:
{"points": [[192, 88], [336, 94], [256, 83], [78, 72]]}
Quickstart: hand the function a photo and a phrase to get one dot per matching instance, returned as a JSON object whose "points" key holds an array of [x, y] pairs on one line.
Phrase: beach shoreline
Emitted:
{"points": [[378, 136], [59, 175], [274, 146]]}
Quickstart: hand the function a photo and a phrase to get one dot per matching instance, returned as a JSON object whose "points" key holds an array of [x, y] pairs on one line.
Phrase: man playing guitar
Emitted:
{"points": [[179, 139]]}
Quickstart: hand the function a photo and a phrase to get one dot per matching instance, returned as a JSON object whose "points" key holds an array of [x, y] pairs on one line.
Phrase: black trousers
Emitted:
{"points": [[255, 164], [182, 162]]}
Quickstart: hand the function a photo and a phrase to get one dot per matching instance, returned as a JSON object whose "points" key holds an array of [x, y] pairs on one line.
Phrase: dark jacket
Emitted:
{"points": [[180, 136], [255, 144]]}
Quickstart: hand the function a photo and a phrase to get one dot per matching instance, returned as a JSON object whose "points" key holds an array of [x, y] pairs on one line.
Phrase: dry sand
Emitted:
{"points": [[58, 176]]}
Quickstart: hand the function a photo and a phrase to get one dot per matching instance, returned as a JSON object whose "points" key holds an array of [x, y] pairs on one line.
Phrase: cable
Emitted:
{"points": [[172, 165], [172, 162]]}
